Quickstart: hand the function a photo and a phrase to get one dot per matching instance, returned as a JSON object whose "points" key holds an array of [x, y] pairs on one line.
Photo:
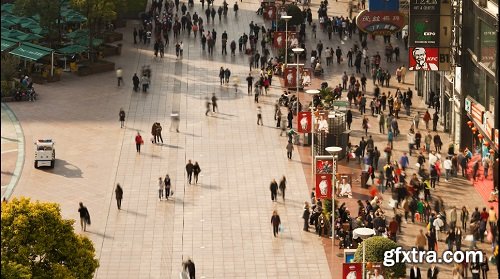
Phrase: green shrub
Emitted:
{"points": [[375, 248], [297, 17]]}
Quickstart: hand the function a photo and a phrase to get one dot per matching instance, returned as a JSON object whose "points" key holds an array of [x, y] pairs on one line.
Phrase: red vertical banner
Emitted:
{"points": [[289, 76], [270, 12], [324, 186], [324, 166], [352, 271], [304, 122], [279, 39]]}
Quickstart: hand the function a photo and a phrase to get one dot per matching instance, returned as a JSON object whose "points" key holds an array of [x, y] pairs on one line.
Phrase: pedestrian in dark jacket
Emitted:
{"points": [[275, 221], [282, 187], [189, 170], [349, 119], [196, 171], [168, 185], [84, 217], [122, 117], [274, 190], [305, 216], [119, 195]]}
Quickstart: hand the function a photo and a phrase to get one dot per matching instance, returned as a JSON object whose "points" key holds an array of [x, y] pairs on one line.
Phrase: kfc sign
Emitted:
{"points": [[424, 59]]}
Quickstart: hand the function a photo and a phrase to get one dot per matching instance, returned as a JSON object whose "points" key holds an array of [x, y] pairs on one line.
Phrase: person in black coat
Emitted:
{"points": [[196, 171], [290, 118], [349, 119], [189, 170], [119, 195], [274, 190], [84, 216], [432, 272], [306, 216], [415, 272], [136, 82], [122, 117], [191, 268]]}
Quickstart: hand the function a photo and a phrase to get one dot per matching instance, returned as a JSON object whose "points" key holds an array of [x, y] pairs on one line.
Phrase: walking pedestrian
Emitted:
{"points": [[196, 171], [136, 82], [207, 104], [289, 149], [282, 187], [119, 195], [119, 75], [435, 119], [349, 119], [84, 217], [276, 222], [161, 185], [259, 116], [274, 190], [138, 142], [168, 185], [122, 118], [249, 83], [191, 268], [290, 118], [135, 35], [189, 170], [214, 103], [158, 132]]}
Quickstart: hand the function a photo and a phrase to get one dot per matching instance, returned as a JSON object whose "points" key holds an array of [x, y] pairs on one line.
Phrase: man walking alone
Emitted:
{"points": [[189, 170], [119, 195]]}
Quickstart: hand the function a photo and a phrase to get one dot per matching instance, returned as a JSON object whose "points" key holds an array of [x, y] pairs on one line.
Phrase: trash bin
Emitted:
{"points": [[364, 179]]}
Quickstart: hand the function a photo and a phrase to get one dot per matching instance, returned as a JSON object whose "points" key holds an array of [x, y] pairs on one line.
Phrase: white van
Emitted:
{"points": [[45, 153]]}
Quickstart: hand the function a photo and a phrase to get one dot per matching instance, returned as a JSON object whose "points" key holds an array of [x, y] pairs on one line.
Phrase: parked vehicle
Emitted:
{"points": [[45, 153]]}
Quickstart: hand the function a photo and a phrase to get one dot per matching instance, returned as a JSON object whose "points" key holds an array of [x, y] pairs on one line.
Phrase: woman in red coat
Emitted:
{"points": [[138, 142]]}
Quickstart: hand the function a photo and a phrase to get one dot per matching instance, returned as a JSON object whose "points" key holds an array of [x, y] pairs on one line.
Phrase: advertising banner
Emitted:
{"points": [[424, 31], [324, 186], [270, 12], [279, 39], [324, 166], [304, 122], [380, 23], [383, 5], [352, 271], [423, 59], [374, 270], [289, 76]]}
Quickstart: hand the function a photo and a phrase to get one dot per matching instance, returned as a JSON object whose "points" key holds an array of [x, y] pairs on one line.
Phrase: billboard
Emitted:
{"points": [[380, 23], [352, 271], [430, 7], [270, 12], [383, 5], [304, 122], [423, 58], [424, 31], [324, 186]]}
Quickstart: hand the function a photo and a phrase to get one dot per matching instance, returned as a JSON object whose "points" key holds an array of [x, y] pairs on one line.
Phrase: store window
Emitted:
{"points": [[492, 93], [487, 45], [475, 82]]}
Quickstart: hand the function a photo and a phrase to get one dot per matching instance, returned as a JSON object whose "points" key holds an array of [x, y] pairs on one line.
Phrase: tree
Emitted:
{"points": [[375, 249], [50, 15], [97, 12], [38, 243], [297, 17]]}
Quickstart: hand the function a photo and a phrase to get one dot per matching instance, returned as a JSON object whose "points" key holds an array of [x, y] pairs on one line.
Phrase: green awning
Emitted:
{"points": [[29, 37], [29, 23], [12, 18], [8, 43], [7, 23], [39, 31], [13, 33], [7, 8], [77, 34], [31, 51], [84, 41], [76, 18], [72, 49], [36, 17]]}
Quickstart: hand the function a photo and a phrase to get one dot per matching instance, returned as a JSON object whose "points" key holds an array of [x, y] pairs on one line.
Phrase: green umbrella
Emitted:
{"points": [[38, 30], [13, 34], [30, 24], [29, 37], [12, 18], [71, 49]]}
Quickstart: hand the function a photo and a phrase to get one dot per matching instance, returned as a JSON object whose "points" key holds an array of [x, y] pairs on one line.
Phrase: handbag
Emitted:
{"points": [[280, 228]]}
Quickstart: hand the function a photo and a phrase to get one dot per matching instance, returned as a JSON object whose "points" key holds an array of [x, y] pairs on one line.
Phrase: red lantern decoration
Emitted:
{"points": [[487, 144], [469, 123], [480, 136], [474, 130]]}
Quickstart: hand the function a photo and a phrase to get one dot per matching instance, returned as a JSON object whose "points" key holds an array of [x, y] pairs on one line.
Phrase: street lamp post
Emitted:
{"points": [[333, 150], [297, 52], [286, 18], [312, 92], [363, 233]]}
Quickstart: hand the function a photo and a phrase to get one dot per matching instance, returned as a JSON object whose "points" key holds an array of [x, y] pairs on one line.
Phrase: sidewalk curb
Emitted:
{"points": [[20, 152]]}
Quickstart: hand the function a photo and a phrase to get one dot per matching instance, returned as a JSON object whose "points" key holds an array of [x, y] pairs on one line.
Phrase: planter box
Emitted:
{"points": [[109, 50], [110, 37], [95, 68]]}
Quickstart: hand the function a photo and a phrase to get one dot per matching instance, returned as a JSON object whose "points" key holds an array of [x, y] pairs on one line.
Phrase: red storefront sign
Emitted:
{"points": [[324, 186], [304, 122], [270, 12], [352, 271], [380, 22], [279, 39], [423, 59]]}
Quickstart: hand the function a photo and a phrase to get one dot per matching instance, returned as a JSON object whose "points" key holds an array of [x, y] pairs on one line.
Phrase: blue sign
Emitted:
{"points": [[383, 5]]}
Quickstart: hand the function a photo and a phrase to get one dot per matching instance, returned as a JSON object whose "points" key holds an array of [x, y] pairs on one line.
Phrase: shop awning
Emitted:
{"points": [[29, 23], [7, 23], [8, 43], [76, 18], [77, 34], [7, 8], [12, 18], [39, 31], [29, 37], [31, 51], [72, 49], [12, 33], [84, 41]]}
